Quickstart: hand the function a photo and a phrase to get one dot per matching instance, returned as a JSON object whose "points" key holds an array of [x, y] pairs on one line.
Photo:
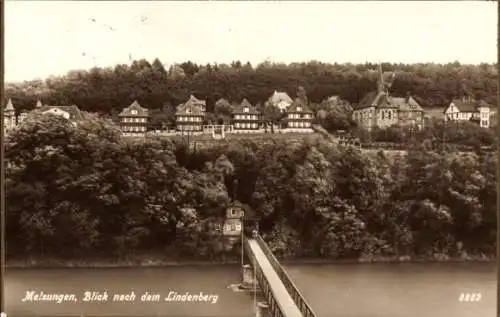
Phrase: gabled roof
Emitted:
{"points": [[74, 112], [405, 104], [193, 99], [9, 107], [223, 101], [382, 100], [245, 104], [277, 97], [141, 112], [468, 106], [189, 108], [374, 99], [249, 213], [296, 104]]}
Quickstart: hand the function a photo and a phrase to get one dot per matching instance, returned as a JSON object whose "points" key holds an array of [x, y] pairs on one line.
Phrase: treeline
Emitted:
{"points": [[108, 90], [71, 192]]}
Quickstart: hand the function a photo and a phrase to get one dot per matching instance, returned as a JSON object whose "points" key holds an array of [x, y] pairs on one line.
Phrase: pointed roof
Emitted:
{"points": [[190, 108], [193, 99], [298, 106], [245, 104], [277, 97], [9, 107], [38, 104], [141, 112], [223, 101]]}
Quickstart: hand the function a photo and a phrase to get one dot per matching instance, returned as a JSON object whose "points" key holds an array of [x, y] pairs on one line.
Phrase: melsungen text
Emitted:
{"points": [[105, 296]]}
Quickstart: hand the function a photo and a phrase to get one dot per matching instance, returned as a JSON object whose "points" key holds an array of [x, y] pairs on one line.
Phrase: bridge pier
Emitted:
{"points": [[248, 277], [262, 310]]}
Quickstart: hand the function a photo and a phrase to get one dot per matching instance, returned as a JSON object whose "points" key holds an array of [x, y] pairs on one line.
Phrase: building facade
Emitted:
{"points": [[246, 117], [281, 100], [380, 109], [468, 109], [134, 120], [299, 117], [190, 116]]}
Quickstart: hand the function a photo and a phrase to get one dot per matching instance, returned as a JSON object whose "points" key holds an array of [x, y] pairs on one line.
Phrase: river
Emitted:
{"points": [[333, 290]]}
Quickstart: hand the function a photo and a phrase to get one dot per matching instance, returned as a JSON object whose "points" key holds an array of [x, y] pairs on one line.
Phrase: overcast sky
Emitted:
{"points": [[50, 38]]}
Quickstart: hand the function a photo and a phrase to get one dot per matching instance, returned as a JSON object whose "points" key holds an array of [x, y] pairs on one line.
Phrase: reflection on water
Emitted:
{"points": [[397, 290], [343, 290]]}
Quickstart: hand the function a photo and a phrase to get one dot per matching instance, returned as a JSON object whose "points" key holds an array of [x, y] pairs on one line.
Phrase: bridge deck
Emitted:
{"points": [[278, 288]]}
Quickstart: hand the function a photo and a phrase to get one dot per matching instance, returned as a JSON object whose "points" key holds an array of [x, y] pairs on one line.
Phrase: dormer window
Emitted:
{"points": [[188, 110], [299, 108], [245, 109], [133, 112], [232, 212]]}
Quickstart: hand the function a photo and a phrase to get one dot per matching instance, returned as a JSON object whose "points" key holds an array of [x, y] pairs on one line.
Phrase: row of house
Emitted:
{"points": [[380, 109], [377, 109], [190, 117]]}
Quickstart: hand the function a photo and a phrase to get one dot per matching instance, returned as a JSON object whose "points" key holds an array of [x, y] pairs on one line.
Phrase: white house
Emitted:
{"points": [[281, 100], [467, 109]]}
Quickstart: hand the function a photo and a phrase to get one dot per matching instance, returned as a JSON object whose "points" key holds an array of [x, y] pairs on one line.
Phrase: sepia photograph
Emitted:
{"points": [[249, 159]]}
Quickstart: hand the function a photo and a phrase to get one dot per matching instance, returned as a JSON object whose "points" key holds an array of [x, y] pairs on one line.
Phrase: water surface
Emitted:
{"points": [[340, 290]]}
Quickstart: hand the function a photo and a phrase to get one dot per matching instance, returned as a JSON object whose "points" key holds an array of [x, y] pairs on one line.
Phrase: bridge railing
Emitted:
{"points": [[274, 305], [299, 300]]}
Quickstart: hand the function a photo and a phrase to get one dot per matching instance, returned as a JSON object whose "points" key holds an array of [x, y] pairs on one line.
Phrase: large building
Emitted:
{"points": [[299, 117], [468, 109], [380, 109], [134, 120], [281, 100], [190, 116], [246, 117]]}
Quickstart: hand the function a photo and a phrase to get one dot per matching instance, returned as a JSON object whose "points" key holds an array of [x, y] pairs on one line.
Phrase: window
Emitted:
{"points": [[227, 227], [232, 212], [383, 115], [133, 112], [245, 109], [299, 108], [233, 227], [238, 226]]}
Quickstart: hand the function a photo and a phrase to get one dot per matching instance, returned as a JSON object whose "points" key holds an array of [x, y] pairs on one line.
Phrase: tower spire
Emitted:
{"points": [[9, 106], [380, 81]]}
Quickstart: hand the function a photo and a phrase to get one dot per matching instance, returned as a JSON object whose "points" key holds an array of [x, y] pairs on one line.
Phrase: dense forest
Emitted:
{"points": [[108, 90], [72, 192]]}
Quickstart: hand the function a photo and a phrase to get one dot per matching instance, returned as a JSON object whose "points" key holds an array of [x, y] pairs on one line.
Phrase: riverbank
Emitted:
{"points": [[155, 260]]}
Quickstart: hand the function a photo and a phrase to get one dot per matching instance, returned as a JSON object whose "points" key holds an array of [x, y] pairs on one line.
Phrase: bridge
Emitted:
{"points": [[283, 298]]}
